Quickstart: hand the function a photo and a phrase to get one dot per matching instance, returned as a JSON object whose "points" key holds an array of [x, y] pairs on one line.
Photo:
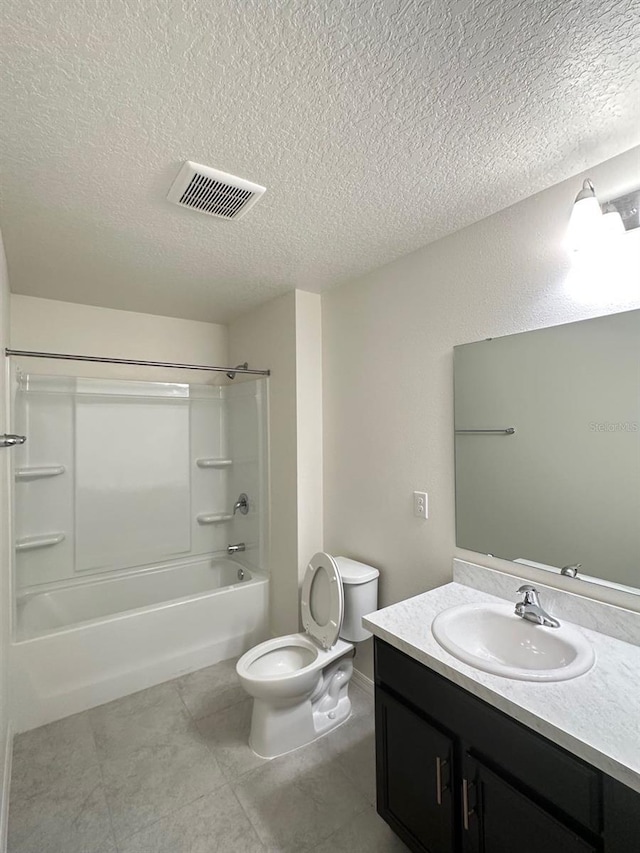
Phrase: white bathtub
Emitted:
{"points": [[77, 646]]}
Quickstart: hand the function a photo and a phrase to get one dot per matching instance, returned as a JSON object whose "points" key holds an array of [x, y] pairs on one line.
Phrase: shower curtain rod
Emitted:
{"points": [[133, 361]]}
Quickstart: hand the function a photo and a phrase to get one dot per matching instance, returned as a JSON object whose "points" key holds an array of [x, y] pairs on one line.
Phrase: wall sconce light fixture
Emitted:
{"points": [[590, 224]]}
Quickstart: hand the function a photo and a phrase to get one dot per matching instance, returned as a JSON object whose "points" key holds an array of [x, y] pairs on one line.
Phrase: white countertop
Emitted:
{"points": [[595, 716]]}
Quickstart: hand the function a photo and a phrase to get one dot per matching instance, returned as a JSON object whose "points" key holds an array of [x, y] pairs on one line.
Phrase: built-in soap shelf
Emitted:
{"points": [[30, 543], [211, 462], [38, 472], [213, 517]]}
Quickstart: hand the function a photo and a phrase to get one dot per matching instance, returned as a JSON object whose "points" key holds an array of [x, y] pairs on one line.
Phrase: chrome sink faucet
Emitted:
{"points": [[531, 610]]}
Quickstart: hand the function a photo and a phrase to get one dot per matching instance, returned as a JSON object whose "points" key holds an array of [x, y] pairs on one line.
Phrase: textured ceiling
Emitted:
{"points": [[376, 127]]}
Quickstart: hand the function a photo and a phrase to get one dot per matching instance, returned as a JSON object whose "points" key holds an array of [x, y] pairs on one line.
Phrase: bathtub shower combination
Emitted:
{"points": [[127, 498]]}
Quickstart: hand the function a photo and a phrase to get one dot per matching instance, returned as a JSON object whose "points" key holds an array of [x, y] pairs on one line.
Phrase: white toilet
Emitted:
{"points": [[300, 682]]}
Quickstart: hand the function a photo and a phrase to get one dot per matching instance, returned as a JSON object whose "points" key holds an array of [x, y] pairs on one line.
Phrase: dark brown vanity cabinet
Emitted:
{"points": [[455, 775]]}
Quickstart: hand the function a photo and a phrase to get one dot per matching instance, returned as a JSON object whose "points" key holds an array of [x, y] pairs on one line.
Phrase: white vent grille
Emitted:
{"points": [[213, 192]]}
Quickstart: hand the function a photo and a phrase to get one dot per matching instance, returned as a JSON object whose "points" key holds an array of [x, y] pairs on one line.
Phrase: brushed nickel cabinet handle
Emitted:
{"points": [[466, 811], [440, 763]]}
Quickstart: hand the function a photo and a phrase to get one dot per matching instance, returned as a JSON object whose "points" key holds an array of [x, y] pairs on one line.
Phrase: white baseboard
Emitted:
{"points": [[363, 682], [6, 784]]}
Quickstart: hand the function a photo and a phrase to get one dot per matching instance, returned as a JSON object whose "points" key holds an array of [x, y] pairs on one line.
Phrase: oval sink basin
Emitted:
{"points": [[492, 638]]}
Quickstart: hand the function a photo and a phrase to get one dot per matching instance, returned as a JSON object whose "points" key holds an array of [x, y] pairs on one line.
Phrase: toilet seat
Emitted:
{"points": [[250, 663], [262, 675], [322, 600]]}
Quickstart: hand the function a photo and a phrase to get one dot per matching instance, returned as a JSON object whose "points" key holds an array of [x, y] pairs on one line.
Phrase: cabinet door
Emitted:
{"points": [[499, 819], [621, 817], [414, 764]]}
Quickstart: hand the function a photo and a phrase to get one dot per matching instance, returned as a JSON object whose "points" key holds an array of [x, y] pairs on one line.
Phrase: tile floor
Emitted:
{"points": [[168, 770]]}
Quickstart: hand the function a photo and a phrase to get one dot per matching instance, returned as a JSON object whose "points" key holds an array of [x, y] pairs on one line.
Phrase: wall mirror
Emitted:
{"points": [[548, 447]]}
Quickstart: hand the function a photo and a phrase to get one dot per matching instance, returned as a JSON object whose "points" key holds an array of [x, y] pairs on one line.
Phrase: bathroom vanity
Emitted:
{"points": [[471, 762]]}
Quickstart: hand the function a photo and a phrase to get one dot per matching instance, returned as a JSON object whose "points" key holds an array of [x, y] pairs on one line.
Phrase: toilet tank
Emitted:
{"points": [[360, 585]]}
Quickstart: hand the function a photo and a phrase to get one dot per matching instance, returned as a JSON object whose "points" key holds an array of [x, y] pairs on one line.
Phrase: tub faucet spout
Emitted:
{"points": [[234, 549]]}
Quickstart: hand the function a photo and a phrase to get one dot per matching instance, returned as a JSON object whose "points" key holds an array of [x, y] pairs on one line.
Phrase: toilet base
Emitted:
{"points": [[278, 728]]}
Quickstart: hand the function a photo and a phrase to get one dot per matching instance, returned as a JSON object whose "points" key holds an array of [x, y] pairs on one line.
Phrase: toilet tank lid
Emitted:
{"points": [[351, 571]]}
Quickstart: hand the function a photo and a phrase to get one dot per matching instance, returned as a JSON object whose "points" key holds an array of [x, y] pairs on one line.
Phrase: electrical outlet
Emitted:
{"points": [[421, 504]]}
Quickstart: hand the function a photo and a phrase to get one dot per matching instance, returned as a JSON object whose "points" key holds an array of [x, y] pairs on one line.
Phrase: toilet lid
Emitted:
{"points": [[322, 601]]}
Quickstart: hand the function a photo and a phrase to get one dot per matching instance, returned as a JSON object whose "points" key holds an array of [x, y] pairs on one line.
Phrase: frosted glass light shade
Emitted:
{"points": [[586, 219]]}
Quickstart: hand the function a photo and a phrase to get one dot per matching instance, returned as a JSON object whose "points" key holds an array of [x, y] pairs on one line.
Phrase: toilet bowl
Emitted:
{"points": [[299, 682]]}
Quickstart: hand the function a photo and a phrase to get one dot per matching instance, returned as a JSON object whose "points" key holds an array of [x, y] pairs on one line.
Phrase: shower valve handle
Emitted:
{"points": [[241, 504]]}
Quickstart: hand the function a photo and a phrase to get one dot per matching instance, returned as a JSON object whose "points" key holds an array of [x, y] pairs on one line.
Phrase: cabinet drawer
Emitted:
{"points": [[551, 775]]}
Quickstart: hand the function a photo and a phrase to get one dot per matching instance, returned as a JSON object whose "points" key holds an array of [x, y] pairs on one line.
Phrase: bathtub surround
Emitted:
{"points": [[169, 769], [388, 375], [139, 473], [5, 558]]}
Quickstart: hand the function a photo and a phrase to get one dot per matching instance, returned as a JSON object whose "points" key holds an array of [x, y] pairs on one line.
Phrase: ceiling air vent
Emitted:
{"points": [[213, 192]]}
